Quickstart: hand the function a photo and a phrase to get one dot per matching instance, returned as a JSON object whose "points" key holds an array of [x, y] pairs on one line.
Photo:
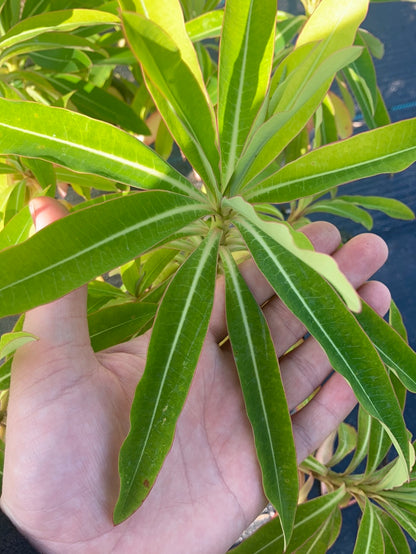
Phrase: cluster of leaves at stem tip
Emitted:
{"points": [[261, 105]]}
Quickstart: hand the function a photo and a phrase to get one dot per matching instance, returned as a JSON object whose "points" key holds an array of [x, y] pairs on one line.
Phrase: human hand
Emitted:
{"points": [[69, 414]]}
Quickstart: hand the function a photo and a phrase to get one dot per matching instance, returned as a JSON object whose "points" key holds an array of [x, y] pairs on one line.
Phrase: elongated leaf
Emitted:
{"points": [[309, 517], [180, 97], [394, 351], [307, 88], [5, 373], [62, 20], [399, 512], [348, 348], [370, 536], [98, 103], [385, 150], [246, 53], [363, 440], [207, 25], [174, 349], [104, 236], [10, 342], [47, 41], [86, 145], [320, 542], [264, 395], [298, 245], [341, 208], [390, 206], [394, 539], [116, 324], [17, 229], [347, 441]]}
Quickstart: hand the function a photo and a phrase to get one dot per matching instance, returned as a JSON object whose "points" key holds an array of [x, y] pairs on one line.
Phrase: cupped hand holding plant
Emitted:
{"points": [[69, 414]]}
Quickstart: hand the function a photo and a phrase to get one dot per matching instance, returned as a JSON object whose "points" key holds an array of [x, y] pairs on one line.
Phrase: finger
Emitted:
{"points": [[324, 236], [306, 367], [358, 259], [322, 415]]}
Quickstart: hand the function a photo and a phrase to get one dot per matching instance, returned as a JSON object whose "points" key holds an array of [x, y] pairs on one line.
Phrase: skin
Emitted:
{"points": [[69, 413]]}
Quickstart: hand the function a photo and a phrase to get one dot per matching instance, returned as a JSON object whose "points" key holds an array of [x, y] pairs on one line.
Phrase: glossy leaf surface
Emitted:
{"points": [[178, 333], [47, 265], [181, 99], [86, 145], [246, 52], [385, 150], [349, 350], [264, 396]]}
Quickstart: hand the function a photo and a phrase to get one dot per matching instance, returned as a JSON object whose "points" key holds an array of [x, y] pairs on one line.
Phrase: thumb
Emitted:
{"points": [[61, 325]]}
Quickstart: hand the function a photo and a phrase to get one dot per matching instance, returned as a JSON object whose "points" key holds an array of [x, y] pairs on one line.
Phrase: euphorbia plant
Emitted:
{"points": [[184, 236]]}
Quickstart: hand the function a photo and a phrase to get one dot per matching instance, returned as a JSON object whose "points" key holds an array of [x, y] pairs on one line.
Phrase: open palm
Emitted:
{"points": [[69, 414]]}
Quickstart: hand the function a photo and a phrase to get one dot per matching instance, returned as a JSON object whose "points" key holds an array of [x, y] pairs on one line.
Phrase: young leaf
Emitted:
{"points": [[385, 150], [48, 265], [264, 395], [370, 536], [394, 351], [177, 337], [180, 96], [116, 324], [86, 145], [245, 59], [298, 245], [348, 348], [309, 517], [10, 342], [399, 512]]}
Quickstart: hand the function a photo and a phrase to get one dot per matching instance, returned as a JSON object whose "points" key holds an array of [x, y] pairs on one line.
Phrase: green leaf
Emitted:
{"points": [[309, 517], [348, 348], [47, 265], [296, 243], [361, 78], [320, 542], [5, 374], [99, 104], [84, 180], [62, 60], [17, 229], [180, 96], [390, 206], [394, 351], [85, 145], [396, 320], [394, 539], [399, 512], [178, 334], [370, 536], [207, 25], [62, 20], [385, 150], [303, 92], [347, 441], [245, 60], [363, 439], [264, 395], [339, 207], [116, 324], [47, 41], [10, 342]]}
